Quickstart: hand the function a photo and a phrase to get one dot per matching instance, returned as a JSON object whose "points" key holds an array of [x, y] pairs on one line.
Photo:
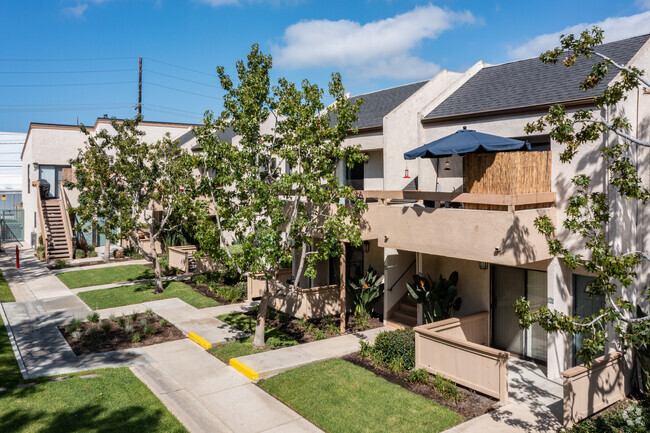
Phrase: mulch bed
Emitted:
{"points": [[471, 406], [99, 261], [95, 340], [297, 329]]}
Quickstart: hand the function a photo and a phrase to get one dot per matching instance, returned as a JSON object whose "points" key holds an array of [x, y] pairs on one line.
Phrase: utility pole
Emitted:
{"points": [[140, 88]]}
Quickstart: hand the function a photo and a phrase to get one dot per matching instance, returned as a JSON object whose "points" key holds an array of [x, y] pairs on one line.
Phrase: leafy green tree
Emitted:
{"points": [[588, 212], [277, 214], [125, 183]]}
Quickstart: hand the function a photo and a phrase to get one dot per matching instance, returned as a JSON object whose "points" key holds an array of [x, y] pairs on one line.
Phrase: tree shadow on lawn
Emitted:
{"points": [[149, 287], [93, 418], [144, 275]]}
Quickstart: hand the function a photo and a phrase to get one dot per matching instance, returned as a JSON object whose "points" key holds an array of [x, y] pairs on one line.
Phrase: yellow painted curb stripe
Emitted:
{"points": [[244, 369], [199, 340]]}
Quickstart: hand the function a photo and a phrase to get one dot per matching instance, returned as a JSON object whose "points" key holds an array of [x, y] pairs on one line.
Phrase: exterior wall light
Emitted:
{"points": [[366, 246], [447, 166], [483, 265]]}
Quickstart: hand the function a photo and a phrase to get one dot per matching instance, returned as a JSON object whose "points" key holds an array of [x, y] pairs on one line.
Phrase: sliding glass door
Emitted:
{"points": [[508, 285], [52, 174]]}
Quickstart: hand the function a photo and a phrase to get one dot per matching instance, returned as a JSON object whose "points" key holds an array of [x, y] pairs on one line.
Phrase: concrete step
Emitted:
{"points": [[410, 309], [405, 319]]}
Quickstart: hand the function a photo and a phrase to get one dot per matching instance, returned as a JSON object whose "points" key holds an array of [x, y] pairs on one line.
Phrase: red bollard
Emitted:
{"points": [[17, 257]]}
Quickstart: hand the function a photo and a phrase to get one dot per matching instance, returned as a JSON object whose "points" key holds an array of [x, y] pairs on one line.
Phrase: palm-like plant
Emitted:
{"points": [[365, 292], [438, 298]]}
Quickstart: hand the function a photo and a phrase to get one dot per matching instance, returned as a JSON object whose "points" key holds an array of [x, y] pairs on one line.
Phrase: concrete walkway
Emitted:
{"points": [[129, 283], [267, 364], [97, 266], [188, 319], [535, 404], [208, 396], [43, 302]]}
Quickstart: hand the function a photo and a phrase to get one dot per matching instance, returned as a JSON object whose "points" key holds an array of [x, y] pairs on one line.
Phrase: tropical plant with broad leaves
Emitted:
{"points": [[439, 298], [365, 292]]}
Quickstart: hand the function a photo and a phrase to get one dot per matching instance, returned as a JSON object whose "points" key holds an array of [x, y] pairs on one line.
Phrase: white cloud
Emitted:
{"points": [[376, 49], [76, 11], [616, 28]]}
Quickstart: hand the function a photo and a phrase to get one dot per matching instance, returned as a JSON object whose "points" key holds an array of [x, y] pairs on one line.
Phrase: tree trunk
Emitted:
{"points": [[258, 341], [107, 251], [343, 277], [156, 267]]}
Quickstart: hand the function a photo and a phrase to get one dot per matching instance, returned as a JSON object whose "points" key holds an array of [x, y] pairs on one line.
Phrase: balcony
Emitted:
{"points": [[491, 228]]}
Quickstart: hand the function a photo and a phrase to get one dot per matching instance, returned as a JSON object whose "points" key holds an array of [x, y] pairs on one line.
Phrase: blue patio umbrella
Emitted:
{"points": [[466, 141]]}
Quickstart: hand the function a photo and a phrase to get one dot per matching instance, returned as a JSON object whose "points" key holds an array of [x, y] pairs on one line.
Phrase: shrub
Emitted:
{"points": [[438, 298], [111, 317], [148, 312], [396, 365], [396, 344], [91, 253], [74, 325], [164, 262], [106, 327], [333, 329], [302, 323], [59, 264], [148, 329], [92, 334], [284, 317], [40, 252], [135, 337], [200, 279], [231, 277], [121, 322], [134, 316], [365, 349], [164, 323], [142, 321], [630, 419], [418, 375], [213, 286], [318, 334], [365, 292], [93, 317], [76, 335], [118, 254], [230, 293], [362, 322], [128, 328], [130, 252], [446, 388], [79, 254]]}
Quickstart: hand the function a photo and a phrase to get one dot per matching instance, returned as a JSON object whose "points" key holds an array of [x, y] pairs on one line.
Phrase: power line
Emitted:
{"points": [[67, 84], [182, 79], [91, 71], [47, 110], [181, 67], [92, 59], [162, 107], [179, 90]]}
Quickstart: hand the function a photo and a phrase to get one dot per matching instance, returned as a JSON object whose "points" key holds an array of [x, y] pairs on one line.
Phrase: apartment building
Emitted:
{"points": [[46, 159]]}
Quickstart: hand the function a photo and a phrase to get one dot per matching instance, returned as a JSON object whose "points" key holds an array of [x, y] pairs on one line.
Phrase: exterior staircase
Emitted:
{"points": [[59, 246], [404, 315]]}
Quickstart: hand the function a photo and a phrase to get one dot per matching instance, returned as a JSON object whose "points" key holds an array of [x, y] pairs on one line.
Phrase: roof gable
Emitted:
{"points": [[378, 104], [530, 82]]}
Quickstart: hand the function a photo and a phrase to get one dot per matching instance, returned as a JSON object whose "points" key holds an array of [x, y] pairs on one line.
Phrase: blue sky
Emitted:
{"points": [[374, 43]]}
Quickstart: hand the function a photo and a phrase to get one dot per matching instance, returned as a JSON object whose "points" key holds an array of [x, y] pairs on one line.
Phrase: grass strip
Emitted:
{"points": [[275, 339], [135, 294], [99, 276], [340, 397], [114, 401]]}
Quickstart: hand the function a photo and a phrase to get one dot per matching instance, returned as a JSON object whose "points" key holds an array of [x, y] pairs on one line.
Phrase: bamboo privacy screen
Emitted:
{"points": [[506, 173]]}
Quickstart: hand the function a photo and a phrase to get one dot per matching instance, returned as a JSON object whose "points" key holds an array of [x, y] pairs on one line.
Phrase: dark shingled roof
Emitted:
{"points": [[531, 82], [226, 135], [378, 104]]}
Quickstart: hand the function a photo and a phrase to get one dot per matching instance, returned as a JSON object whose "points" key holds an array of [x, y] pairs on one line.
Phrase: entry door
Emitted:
{"points": [[51, 174], [508, 285], [353, 263]]}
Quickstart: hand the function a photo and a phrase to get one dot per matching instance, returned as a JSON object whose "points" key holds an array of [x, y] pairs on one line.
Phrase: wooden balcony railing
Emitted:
{"points": [[466, 200]]}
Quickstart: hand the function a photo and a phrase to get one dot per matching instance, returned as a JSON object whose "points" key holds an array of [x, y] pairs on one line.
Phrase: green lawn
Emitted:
{"points": [[274, 339], [127, 295], [116, 401], [95, 277], [9, 371], [5, 292], [340, 397]]}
